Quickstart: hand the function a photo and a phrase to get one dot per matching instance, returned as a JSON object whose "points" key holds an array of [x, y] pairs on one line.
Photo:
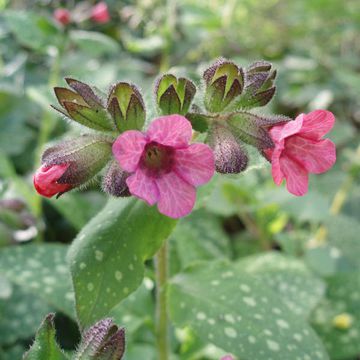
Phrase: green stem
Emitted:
{"points": [[162, 331]]}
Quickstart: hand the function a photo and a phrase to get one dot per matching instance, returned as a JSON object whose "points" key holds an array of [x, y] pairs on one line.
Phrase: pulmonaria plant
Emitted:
{"points": [[160, 165]]}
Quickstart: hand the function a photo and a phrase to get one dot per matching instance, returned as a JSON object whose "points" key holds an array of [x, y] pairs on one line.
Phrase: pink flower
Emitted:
{"points": [[300, 150], [46, 180], [165, 168], [227, 357], [100, 13], [62, 16]]}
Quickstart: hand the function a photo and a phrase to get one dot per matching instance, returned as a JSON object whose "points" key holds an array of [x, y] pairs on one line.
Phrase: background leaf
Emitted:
{"points": [[20, 315], [240, 314], [41, 270], [342, 299], [288, 277]]}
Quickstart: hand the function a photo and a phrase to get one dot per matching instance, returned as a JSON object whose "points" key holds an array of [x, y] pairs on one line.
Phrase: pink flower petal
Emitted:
{"points": [[195, 164], [128, 149], [317, 156], [171, 130], [144, 187], [277, 174], [177, 197], [316, 124], [295, 175], [281, 132]]}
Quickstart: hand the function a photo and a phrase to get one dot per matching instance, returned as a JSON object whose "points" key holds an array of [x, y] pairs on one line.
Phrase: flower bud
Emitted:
{"points": [[114, 181], [230, 157], [100, 13], [104, 340], [126, 106], [83, 105], [224, 83], [253, 129], [62, 16], [71, 163], [174, 95], [259, 85], [46, 180]]}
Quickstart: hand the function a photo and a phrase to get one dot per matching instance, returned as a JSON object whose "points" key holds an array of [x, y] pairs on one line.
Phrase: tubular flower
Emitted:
{"points": [[300, 150], [164, 167], [46, 180], [100, 13]]}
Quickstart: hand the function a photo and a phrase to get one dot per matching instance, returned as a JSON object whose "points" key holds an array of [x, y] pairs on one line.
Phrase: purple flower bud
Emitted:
{"points": [[230, 157], [114, 181], [104, 340]]}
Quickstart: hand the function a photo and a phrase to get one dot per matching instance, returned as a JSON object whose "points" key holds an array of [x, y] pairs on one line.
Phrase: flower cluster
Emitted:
{"points": [[161, 165]]}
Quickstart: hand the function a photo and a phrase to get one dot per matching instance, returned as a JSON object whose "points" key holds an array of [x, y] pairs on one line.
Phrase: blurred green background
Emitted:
{"points": [[314, 44]]}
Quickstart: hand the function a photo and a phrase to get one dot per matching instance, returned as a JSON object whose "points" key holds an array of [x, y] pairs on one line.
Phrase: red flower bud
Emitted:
{"points": [[62, 16], [46, 180], [100, 13]]}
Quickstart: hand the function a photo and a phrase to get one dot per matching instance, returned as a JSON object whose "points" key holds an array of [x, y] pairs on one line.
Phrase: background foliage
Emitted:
{"points": [[246, 233]]}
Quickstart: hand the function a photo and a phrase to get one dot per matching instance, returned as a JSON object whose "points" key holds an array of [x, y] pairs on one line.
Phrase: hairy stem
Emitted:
{"points": [[162, 333]]}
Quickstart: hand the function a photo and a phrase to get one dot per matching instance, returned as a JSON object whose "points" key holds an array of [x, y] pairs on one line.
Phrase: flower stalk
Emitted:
{"points": [[161, 316]]}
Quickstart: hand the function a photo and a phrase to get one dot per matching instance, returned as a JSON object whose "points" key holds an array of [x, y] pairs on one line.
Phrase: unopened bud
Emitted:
{"points": [[104, 340], [230, 157], [174, 95], [114, 181], [71, 163], [126, 107], [83, 105], [224, 82]]}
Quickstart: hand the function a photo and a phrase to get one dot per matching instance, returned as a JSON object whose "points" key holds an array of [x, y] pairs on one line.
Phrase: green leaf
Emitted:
{"points": [[41, 270], [341, 338], [40, 32], [20, 315], [200, 236], [94, 43], [288, 277], [45, 346], [239, 313], [107, 257]]}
